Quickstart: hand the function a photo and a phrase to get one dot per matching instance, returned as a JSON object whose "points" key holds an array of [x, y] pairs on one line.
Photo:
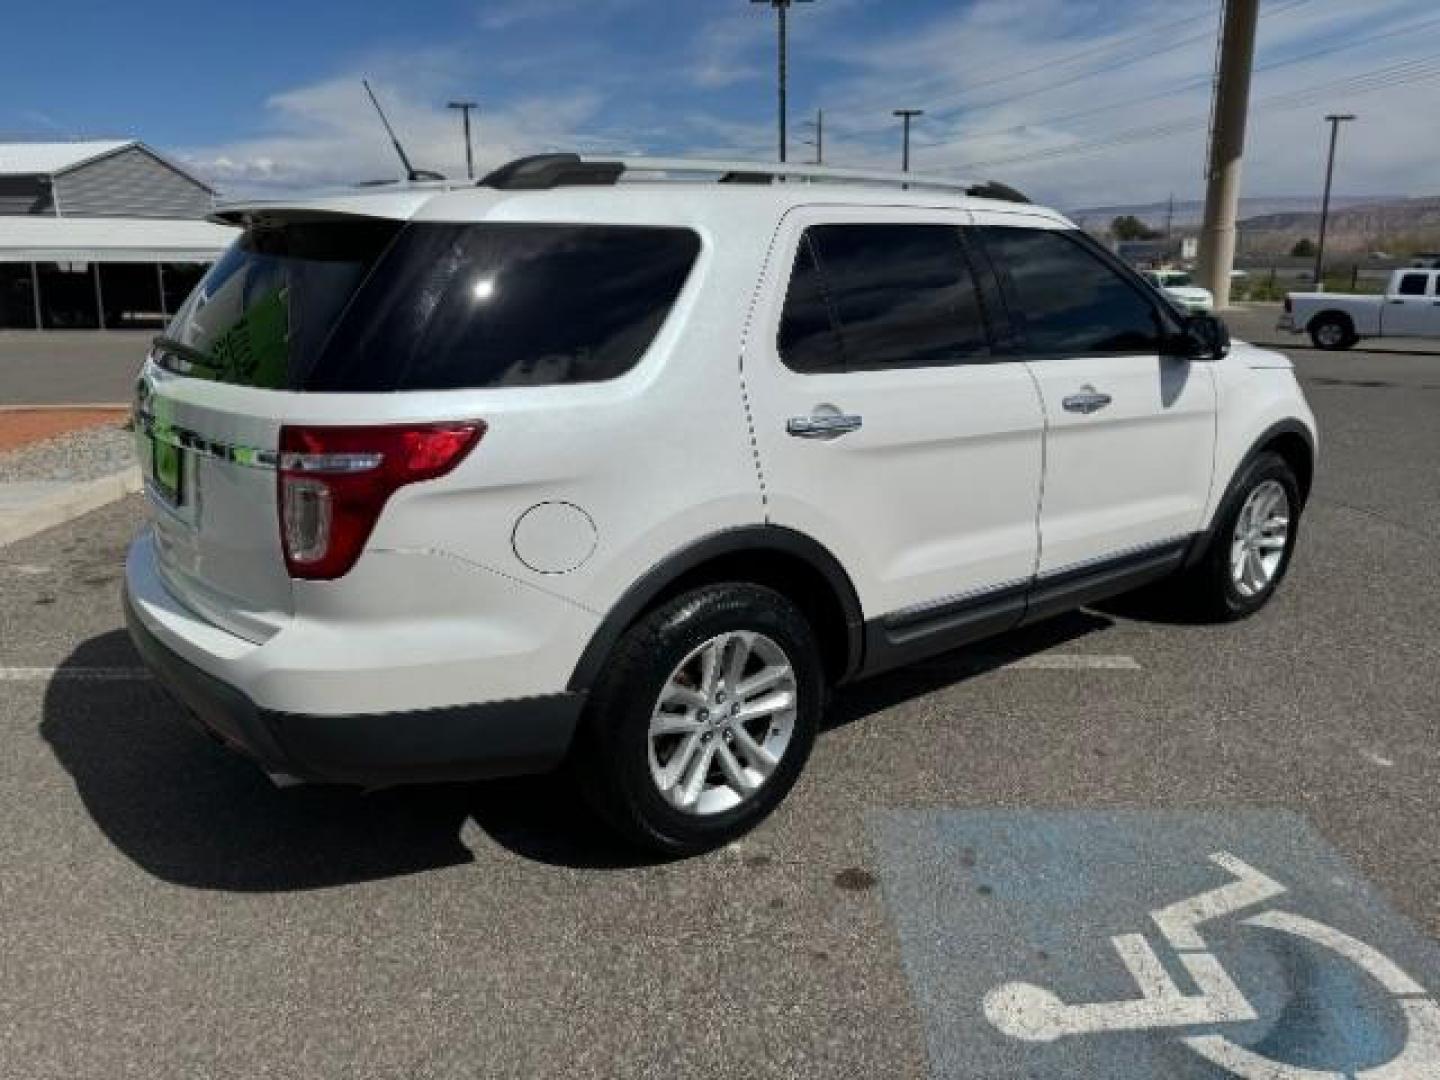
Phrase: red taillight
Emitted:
{"points": [[334, 481]]}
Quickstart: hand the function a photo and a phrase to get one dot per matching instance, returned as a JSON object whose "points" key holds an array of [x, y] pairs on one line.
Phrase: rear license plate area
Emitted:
{"points": [[166, 473]]}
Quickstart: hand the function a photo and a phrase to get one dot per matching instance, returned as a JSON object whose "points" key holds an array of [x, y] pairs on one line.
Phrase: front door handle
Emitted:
{"points": [[823, 425], [1087, 401]]}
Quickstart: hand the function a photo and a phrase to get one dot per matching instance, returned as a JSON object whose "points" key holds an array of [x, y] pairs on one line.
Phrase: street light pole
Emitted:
{"points": [[1334, 120], [906, 115], [782, 10], [465, 107]]}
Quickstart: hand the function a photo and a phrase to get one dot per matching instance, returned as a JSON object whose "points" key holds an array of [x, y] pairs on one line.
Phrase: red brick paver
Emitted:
{"points": [[20, 427]]}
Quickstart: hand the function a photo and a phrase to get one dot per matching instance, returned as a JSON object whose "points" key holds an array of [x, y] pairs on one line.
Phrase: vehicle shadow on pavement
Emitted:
{"points": [[863, 699], [192, 813]]}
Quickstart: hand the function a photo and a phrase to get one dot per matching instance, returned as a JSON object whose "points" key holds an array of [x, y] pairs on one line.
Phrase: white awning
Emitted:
{"points": [[33, 238]]}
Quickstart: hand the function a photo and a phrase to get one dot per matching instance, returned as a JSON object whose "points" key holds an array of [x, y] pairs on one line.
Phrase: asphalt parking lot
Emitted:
{"points": [[164, 911]]}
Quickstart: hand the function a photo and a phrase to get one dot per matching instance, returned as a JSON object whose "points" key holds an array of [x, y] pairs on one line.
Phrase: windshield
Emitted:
{"points": [[1176, 281], [263, 313]]}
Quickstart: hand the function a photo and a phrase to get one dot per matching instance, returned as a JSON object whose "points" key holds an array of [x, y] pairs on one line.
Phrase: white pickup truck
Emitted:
{"points": [[1409, 308]]}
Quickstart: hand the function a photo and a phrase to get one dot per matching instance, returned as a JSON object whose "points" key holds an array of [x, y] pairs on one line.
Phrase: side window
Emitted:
{"points": [[809, 342], [1415, 285], [1067, 299], [896, 295]]}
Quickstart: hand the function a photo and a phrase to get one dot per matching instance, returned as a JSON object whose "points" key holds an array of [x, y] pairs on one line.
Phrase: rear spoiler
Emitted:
{"points": [[394, 204]]}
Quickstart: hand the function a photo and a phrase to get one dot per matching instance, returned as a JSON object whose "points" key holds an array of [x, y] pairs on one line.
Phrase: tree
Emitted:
{"points": [[1130, 227], [1303, 249]]}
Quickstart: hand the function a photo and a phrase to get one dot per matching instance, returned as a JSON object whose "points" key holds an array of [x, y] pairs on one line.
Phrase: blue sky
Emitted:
{"points": [[1082, 101]]}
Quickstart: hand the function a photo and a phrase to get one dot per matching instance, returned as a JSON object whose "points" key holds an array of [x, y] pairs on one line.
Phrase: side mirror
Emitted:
{"points": [[1202, 337]]}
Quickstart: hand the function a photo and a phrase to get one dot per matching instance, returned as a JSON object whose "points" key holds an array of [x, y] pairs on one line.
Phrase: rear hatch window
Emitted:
{"points": [[263, 313], [368, 306]]}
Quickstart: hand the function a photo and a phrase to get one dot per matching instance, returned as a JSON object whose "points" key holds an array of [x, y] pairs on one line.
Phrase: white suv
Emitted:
{"points": [[598, 462]]}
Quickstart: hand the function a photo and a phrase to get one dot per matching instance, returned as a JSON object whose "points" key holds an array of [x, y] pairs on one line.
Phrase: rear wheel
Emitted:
{"points": [[1332, 332], [703, 719]]}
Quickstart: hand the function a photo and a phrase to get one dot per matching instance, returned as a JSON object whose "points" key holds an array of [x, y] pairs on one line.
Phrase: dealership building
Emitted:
{"points": [[99, 235]]}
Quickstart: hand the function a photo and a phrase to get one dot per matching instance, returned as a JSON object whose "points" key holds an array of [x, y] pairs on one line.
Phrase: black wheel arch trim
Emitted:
{"points": [[748, 538], [1257, 447]]}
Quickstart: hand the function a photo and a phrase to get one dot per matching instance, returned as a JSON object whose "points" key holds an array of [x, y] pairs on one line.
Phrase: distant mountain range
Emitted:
{"points": [[1190, 212], [1274, 224]]}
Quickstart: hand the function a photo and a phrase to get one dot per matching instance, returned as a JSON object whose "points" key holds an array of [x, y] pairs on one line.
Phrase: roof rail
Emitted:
{"points": [[545, 171]]}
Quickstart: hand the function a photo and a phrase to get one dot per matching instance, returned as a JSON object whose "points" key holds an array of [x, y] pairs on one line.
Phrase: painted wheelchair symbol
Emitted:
{"points": [[1034, 1014]]}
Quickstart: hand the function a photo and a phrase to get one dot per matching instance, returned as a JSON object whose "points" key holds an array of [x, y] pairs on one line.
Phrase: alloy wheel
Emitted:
{"points": [[723, 722], [1262, 535]]}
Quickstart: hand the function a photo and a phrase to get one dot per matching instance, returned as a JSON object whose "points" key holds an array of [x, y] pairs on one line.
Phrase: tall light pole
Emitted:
{"points": [[1334, 120], [1227, 147], [465, 107], [906, 115], [782, 9]]}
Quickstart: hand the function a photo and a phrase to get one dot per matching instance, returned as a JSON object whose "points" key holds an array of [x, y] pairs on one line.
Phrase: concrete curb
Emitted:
{"points": [[75, 501]]}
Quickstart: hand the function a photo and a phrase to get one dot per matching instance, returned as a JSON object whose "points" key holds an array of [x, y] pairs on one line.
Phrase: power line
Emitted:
{"points": [[1382, 79], [1183, 88], [1159, 28], [1056, 84]]}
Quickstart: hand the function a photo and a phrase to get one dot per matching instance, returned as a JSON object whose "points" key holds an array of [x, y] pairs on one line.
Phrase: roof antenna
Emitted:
{"points": [[411, 173]]}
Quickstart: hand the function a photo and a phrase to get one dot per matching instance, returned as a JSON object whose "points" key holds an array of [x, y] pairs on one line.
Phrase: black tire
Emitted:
{"points": [[611, 756], [1333, 333], [1208, 590]]}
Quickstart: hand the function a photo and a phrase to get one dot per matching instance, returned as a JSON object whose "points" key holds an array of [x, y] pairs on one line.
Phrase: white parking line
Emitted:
{"points": [[1039, 662], [74, 674], [1071, 662]]}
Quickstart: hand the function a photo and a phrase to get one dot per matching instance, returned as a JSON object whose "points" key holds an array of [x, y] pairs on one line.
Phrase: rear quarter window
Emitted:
{"points": [[492, 305]]}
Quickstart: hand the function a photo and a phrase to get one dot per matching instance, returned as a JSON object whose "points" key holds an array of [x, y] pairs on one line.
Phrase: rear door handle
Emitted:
{"points": [[1088, 400], [823, 425]]}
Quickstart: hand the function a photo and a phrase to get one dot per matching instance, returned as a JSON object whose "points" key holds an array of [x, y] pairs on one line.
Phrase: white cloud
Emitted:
{"points": [[727, 48], [504, 14], [327, 133], [964, 70], [995, 77]]}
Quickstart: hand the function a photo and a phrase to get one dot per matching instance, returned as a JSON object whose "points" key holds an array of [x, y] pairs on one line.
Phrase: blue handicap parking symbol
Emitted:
{"points": [[1152, 944]]}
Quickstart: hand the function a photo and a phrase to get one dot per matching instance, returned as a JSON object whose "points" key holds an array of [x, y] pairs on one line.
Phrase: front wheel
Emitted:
{"points": [[703, 719], [1251, 547]]}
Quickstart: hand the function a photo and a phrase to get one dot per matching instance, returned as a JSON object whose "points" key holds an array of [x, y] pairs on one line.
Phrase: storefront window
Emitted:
{"points": [[130, 293], [17, 297], [67, 296]]}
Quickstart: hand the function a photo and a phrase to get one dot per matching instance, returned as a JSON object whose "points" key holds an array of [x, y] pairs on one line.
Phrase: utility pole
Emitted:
{"points": [[465, 107], [1227, 147], [1334, 120], [782, 9], [819, 141], [1170, 217], [906, 115]]}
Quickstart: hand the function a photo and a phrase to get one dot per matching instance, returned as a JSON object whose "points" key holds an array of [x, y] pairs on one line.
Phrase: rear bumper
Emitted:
{"points": [[501, 738]]}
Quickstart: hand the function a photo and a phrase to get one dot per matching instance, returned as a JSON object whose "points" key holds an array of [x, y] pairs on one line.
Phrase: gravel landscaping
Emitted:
{"points": [[79, 456]]}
